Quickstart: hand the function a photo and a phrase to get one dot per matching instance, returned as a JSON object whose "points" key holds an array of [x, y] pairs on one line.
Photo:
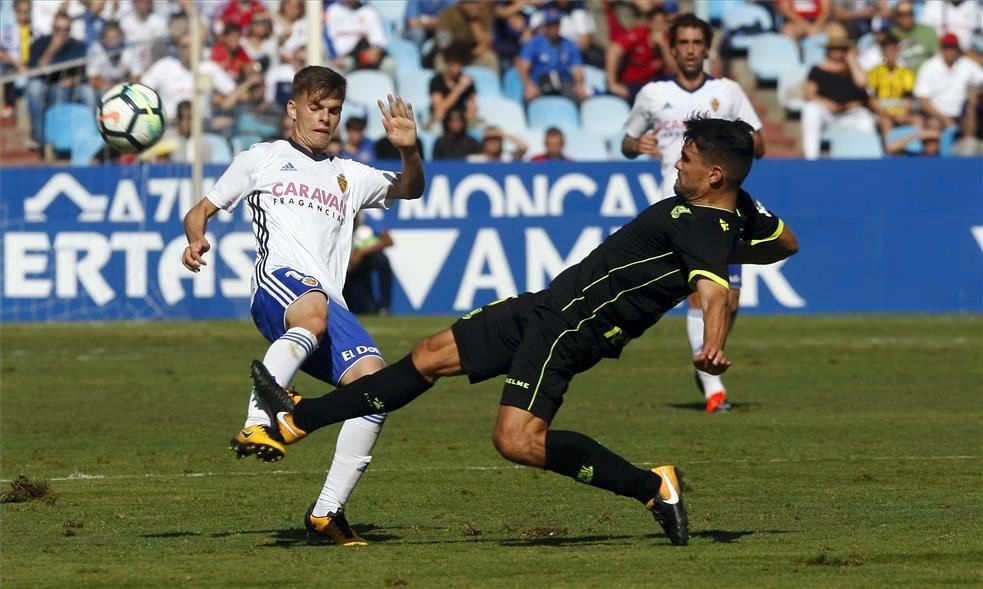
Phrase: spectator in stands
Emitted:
{"points": [[512, 30], [259, 44], [835, 93], [43, 16], [229, 54], [971, 142], [239, 13], [66, 85], [453, 89], [550, 64], [555, 142], [368, 264], [176, 145], [891, 86], [109, 62], [455, 143], [804, 18], [386, 151], [638, 56], [929, 139], [358, 37], [15, 49], [858, 16], [469, 22], [290, 27], [959, 17], [141, 26], [493, 147], [357, 146], [172, 79], [944, 82], [421, 18], [576, 24], [280, 78], [918, 42], [88, 25]]}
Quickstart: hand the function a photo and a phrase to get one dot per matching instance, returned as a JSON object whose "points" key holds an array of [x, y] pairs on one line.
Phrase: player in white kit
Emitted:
{"points": [[655, 128], [303, 204]]}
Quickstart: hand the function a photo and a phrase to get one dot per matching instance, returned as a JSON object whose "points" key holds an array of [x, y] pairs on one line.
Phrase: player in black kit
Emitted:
{"points": [[589, 312]]}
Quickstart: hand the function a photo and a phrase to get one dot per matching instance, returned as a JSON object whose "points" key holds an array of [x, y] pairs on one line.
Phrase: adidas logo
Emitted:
{"points": [[288, 167], [666, 106]]}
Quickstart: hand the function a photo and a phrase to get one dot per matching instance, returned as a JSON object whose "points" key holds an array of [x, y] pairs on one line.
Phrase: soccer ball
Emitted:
{"points": [[130, 117]]}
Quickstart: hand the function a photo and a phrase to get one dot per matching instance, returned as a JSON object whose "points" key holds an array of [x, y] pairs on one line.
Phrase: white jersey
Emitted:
{"points": [[303, 207], [664, 106]]}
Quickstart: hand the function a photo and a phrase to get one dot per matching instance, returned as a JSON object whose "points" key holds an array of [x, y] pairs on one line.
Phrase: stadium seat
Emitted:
{"points": [[769, 54], [241, 143], [428, 139], [84, 148], [814, 49], [393, 14], [503, 113], [512, 85], [248, 123], [947, 141], [854, 144], [791, 93], [65, 122], [913, 147], [485, 80], [405, 53], [742, 22], [553, 111], [596, 80], [587, 147], [536, 140], [414, 85], [220, 153], [367, 86], [711, 10], [601, 114]]}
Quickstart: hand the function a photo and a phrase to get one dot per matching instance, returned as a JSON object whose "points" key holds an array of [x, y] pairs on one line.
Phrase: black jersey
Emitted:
{"points": [[651, 264]]}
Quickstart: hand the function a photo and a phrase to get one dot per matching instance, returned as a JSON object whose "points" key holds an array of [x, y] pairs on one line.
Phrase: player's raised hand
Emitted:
{"points": [[193, 254], [711, 360], [649, 145], [399, 122]]}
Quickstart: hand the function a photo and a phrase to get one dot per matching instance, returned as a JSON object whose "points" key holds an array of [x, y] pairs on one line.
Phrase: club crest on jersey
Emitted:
{"points": [[679, 210], [715, 104], [342, 182], [309, 281]]}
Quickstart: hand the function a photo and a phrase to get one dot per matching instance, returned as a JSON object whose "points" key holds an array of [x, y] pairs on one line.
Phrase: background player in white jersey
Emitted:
{"points": [[655, 128], [303, 203]]}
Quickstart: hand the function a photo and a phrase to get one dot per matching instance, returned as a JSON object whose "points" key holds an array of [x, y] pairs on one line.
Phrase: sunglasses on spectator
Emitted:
{"points": [[62, 30], [905, 13]]}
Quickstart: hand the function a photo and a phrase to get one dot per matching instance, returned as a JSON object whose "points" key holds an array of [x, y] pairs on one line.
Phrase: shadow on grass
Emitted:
{"points": [[283, 538], [701, 406]]}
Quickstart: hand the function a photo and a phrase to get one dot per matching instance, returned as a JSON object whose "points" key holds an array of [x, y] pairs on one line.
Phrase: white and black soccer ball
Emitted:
{"points": [[130, 117]]}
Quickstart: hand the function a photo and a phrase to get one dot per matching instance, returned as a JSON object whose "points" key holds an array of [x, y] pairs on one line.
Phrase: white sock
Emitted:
{"points": [[694, 329], [353, 453], [282, 359]]}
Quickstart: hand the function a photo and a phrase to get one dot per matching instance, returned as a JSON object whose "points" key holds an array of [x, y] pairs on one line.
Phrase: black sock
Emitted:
{"points": [[386, 390], [584, 460]]}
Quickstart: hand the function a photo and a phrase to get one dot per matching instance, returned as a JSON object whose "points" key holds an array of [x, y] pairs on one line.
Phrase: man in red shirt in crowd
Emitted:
{"points": [[240, 12], [638, 56], [229, 54]]}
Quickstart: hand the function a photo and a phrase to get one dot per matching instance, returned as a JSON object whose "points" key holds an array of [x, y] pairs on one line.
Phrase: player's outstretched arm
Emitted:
{"points": [[401, 129], [767, 252], [716, 318], [195, 222]]}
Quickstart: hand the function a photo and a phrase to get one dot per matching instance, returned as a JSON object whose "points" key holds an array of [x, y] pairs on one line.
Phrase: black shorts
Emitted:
{"points": [[531, 343]]}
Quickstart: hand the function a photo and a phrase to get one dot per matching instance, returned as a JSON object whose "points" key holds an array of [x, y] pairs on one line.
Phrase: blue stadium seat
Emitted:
{"points": [[248, 123], [393, 14], [913, 147], [769, 54], [84, 148], [711, 10], [536, 140], [503, 113], [486, 81], [587, 147], [65, 122], [814, 49], [428, 139], [596, 80], [512, 85], [742, 22], [553, 111], [405, 53], [241, 143], [791, 93], [218, 147], [601, 114], [947, 141], [367, 86], [854, 144]]}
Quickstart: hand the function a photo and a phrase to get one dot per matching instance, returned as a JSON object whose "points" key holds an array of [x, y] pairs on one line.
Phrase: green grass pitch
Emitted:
{"points": [[854, 459]]}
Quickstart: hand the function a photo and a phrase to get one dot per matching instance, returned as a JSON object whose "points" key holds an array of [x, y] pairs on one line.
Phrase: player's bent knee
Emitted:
{"points": [[437, 355]]}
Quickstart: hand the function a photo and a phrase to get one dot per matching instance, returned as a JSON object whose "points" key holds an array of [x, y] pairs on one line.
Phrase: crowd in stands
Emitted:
{"points": [[502, 80]]}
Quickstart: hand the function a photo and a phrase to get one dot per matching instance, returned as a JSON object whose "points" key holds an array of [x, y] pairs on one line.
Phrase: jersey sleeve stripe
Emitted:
{"points": [[694, 274], [773, 236]]}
